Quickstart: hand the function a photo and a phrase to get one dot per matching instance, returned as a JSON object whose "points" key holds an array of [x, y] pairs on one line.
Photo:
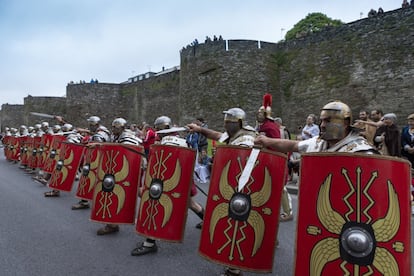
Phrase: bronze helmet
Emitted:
{"points": [[338, 110], [336, 128]]}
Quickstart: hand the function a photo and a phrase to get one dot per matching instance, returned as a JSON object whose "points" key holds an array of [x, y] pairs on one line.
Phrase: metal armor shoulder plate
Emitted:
{"points": [[101, 135], [74, 138], [128, 137], [174, 141]]}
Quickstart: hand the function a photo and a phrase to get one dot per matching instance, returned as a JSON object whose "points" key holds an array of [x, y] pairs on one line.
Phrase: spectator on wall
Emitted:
{"points": [[405, 4], [372, 13]]}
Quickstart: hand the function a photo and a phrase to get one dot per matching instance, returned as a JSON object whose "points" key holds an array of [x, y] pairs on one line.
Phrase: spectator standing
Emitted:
{"points": [[310, 129], [203, 167], [376, 115], [372, 13], [405, 4], [149, 136], [284, 132], [192, 140], [367, 130], [407, 140], [202, 140], [387, 137]]}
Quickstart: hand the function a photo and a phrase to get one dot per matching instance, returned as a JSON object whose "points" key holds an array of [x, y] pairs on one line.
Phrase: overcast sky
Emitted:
{"points": [[44, 44]]}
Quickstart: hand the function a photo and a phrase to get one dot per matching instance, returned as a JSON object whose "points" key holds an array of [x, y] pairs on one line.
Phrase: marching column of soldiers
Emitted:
{"points": [[342, 224]]}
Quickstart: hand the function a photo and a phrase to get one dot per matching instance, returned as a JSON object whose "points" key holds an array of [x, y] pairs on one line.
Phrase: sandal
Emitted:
{"points": [[80, 205], [231, 272], [142, 250], [52, 193], [285, 217], [107, 230], [40, 180]]}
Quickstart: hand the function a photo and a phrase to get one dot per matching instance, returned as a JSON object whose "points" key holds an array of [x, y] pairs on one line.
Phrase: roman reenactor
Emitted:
{"points": [[354, 215], [168, 187], [120, 134], [242, 209], [97, 134]]}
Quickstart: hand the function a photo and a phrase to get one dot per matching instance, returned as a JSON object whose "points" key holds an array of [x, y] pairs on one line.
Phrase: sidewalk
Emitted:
{"points": [[293, 185]]}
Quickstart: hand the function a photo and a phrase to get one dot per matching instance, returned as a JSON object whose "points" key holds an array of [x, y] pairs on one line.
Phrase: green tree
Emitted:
{"points": [[313, 22]]}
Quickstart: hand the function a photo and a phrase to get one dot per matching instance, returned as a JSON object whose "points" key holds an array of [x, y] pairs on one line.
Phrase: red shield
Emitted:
{"points": [[33, 156], [44, 147], [67, 165], [354, 215], [53, 157], [166, 193], [116, 190], [88, 176], [24, 147], [240, 228], [29, 150], [6, 143], [13, 146]]}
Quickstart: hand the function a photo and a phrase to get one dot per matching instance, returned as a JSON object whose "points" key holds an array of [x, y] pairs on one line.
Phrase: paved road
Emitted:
{"points": [[43, 236]]}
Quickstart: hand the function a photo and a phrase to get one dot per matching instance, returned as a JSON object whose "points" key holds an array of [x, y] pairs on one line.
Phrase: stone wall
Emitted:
{"points": [[48, 105], [220, 75], [152, 98], [92, 99], [11, 115], [136, 101], [16, 115], [367, 64]]}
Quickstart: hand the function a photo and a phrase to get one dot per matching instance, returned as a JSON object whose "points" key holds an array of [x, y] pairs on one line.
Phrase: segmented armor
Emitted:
{"points": [[127, 137], [101, 135]]}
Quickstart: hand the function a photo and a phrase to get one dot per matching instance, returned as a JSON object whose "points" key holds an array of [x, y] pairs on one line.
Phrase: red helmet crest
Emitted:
{"points": [[266, 107]]}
